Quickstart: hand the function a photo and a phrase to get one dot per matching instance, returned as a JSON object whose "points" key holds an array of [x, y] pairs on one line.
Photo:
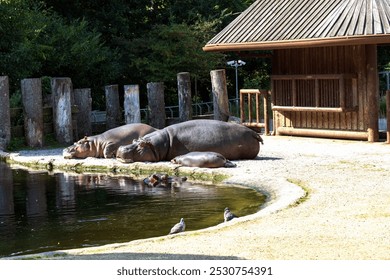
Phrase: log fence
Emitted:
{"points": [[68, 116]]}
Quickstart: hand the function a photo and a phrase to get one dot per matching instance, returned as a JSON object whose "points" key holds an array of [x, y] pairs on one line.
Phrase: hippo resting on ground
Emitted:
{"points": [[106, 144], [203, 159], [233, 141]]}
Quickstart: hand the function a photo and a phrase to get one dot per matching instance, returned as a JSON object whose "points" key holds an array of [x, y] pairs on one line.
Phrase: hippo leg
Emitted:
{"points": [[110, 151], [228, 163]]}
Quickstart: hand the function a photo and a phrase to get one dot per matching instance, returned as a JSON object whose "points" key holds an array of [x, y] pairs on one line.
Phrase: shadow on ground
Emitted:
{"points": [[121, 256]]}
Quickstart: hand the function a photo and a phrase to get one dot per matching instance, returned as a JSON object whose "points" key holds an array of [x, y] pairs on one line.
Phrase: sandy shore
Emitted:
{"points": [[329, 199]]}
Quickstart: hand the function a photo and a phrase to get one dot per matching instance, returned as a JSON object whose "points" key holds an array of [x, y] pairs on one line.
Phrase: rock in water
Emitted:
{"points": [[179, 227]]}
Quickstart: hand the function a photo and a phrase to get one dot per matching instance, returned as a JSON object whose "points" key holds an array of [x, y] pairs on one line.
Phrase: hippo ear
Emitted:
{"points": [[144, 143]]}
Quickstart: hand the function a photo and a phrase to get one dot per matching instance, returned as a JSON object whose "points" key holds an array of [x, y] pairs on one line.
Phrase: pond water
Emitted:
{"points": [[41, 212]]}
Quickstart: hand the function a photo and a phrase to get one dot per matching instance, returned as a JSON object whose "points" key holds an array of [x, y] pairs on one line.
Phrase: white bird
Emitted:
{"points": [[227, 215], [179, 227]]}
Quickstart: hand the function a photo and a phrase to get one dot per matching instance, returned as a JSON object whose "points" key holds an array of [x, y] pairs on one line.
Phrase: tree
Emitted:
{"points": [[37, 42]]}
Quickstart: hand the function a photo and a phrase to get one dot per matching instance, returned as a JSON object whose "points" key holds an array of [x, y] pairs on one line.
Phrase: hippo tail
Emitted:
{"points": [[258, 137], [228, 163]]}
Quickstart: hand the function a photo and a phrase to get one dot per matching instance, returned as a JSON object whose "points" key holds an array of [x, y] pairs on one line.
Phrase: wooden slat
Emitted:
{"points": [[313, 109]]}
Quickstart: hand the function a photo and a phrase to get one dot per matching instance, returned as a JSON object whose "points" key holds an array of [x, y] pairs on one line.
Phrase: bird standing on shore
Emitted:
{"points": [[179, 227], [227, 215]]}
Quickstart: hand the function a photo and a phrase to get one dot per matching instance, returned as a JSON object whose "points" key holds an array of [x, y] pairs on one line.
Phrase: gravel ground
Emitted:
{"points": [[328, 200]]}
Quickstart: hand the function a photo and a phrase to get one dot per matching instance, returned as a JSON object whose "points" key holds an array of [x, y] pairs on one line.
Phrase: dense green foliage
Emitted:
{"points": [[37, 42], [97, 43], [101, 42]]}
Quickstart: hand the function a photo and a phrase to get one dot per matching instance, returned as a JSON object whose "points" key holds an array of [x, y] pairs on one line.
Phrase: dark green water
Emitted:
{"points": [[41, 212]]}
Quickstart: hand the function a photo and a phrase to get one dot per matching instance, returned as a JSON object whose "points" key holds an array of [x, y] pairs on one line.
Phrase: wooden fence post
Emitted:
{"points": [[184, 92], [33, 111], [220, 95], [388, 116], [156, 104], [131, 104], [62, 109], [5, 116], [83, 100], [113, 110]]}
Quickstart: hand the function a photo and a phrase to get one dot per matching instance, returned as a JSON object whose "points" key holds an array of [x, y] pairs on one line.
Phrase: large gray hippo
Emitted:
{"points": [[233, 141], [106, 144]]}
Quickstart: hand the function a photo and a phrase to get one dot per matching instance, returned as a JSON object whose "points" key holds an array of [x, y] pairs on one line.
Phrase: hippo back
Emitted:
{"points": [[106, 143], [233, 141]]}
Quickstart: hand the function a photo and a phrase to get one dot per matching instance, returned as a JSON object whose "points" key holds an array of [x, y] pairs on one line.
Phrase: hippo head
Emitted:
{"points": [[80, 149], [140, 150]]}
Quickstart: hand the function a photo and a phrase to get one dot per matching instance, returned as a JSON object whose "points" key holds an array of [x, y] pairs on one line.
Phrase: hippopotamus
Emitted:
{"points": [[203, 159], [233, 141], [106, 144]]}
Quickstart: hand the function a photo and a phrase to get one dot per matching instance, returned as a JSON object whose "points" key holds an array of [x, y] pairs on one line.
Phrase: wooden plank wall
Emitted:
{"points": [[323, 60]]}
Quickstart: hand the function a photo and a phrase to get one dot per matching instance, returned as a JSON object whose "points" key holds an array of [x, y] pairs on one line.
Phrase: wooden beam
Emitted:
{"points": [[314, 109], [388, 115], [325, 133], [372, 93], [300, 43]]}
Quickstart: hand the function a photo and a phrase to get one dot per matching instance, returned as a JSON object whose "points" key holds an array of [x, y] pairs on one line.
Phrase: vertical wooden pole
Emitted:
{"points": [[5, 115], [83, 100], [242, 103], [388, 116], [342, 91], [220, 95], [265, 94], [132, 104], [62, 91], [184, 92], [372, 93], [33, 111], [113, 110], [156, 104]]}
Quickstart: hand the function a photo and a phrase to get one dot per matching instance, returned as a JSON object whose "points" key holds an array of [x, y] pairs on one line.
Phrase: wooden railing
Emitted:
{"points": [[260, 120], [314, 93]]}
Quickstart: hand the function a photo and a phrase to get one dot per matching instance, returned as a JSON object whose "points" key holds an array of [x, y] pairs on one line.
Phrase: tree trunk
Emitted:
{"points": [[184, 92], [131, 104], [62, 109], [33, 111], [113, 109], [83, 101], [220, 95], [5, 116], [156, 104]]}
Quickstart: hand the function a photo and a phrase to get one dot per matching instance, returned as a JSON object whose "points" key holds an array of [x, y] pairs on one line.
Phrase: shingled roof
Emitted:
{"points": [[272, 24]]}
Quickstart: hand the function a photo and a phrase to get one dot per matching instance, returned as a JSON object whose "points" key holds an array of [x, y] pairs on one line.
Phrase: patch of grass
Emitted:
{"points": [[19, 143], [304, 187], [16, 143], [359, 166]]}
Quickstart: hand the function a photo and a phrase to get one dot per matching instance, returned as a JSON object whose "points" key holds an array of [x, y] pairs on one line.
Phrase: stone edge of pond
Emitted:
{"points": [[51, 161]]}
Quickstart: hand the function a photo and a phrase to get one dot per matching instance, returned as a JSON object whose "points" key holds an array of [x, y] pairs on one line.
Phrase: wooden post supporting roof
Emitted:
{"points": [[388, 116], [372, 93]]}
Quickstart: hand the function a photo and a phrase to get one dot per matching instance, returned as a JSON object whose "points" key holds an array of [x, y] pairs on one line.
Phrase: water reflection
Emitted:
{"points": [[42, 212]]}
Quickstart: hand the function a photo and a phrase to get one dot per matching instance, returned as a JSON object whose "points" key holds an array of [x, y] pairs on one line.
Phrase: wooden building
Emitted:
{"points": [[324, 63]]}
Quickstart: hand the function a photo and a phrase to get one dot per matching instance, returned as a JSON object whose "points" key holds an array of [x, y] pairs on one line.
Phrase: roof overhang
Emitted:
{"points": [[302, 43]]}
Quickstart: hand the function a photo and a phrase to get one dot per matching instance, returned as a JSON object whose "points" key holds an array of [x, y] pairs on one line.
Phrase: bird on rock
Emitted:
{"points": [[179, 227], [227, 215]]}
